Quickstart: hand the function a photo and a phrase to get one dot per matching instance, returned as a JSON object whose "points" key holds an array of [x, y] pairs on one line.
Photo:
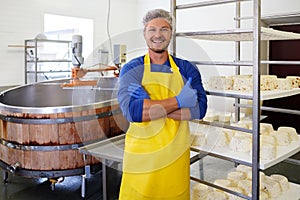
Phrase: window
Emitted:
{"points": [[59, 27], [56, 56]]}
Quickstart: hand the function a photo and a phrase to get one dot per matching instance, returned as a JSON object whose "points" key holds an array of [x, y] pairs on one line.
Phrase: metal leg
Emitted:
{"points": [[87, 174], [83, 183], [104, 179], [5, 176], [201, 172]]}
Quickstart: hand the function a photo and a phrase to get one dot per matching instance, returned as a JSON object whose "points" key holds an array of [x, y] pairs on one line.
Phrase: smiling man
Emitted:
{"points": [[158, 94], [158, 34]]}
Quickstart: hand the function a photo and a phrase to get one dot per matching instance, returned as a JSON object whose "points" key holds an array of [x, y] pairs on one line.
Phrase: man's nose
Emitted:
{"points": [[158, 32]]}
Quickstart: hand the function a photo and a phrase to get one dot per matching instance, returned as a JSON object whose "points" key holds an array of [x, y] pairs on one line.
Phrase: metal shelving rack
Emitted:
{"points": [[256, 95], [33, 60]]}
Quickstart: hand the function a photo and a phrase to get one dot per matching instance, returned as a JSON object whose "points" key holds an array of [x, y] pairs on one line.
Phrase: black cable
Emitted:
{"points": [[73, 51], [46, 77], [107, 29]]}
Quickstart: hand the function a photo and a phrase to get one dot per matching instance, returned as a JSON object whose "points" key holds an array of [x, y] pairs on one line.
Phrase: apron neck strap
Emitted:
{"points": [[172, 63]]}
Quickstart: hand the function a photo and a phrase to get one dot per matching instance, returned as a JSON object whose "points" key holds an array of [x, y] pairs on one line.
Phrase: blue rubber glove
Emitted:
{"points": [[187, 97], [137, 91]]}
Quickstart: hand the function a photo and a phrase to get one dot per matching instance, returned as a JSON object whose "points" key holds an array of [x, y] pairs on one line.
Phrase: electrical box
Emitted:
{"points": [[119, 53]]}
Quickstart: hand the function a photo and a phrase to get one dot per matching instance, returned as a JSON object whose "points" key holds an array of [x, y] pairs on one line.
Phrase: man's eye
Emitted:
{"points": [[152, 30], [164, 30]]}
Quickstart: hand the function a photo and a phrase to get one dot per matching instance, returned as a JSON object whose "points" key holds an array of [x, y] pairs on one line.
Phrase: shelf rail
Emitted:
{"points": [[207, 3], [272, 109], [246, 63]]}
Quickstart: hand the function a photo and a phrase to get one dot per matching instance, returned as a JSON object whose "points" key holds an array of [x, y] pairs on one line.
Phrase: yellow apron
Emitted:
{"points": [[156, 156]]}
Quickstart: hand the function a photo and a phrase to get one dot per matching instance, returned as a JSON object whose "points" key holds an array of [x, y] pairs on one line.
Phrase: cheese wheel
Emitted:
{"points": [[246, 186], [282, 180], [266, 128], [242, 82], [240, 143], [284, 84], [235, 177], [216, 138], [263, 195], [295, 81], [200, 191], [243, 168], [210, 117], [272, 187], [220, 83], [242, 134], [198, 139], [216, 195], [290, 130], [268, 82], [267, 151], [268, 139], [282, 137]]}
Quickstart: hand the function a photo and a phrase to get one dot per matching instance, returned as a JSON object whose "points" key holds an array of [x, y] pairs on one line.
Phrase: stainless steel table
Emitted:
{"points": [[112, 149]]}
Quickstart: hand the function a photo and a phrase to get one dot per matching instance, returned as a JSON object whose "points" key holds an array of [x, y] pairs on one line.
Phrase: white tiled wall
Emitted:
{"points": [[20, 20]]}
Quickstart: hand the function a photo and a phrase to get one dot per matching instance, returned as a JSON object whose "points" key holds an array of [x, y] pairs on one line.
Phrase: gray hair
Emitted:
{"points": [[159, 13]]}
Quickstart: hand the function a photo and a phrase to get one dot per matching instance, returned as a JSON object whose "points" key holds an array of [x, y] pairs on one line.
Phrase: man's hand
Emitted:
{"points": [[187, 97]]}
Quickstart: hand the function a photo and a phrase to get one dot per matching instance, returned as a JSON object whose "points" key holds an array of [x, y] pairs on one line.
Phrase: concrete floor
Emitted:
{"points": [[21, 188]]}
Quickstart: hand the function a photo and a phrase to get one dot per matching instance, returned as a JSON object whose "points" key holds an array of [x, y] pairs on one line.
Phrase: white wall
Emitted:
{"points": [[271, 7], [20, 20]]}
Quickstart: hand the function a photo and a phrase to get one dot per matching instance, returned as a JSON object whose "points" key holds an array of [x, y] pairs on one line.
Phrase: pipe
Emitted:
{"points": [[14, 167], [53, 181]]}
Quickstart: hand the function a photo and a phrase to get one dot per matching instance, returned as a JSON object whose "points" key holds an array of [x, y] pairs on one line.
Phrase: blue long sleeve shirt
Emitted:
{"points": [[132, 72]]}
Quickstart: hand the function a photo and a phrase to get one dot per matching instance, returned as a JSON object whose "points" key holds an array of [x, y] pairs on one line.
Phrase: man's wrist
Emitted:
{"points": [[178, 103]]}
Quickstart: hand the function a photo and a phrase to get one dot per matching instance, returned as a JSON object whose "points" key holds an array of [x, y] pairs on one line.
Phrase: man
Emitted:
{"points": [[158, 94]]}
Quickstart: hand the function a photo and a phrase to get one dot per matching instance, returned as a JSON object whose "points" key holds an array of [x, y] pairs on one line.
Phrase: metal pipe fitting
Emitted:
{"points": [[14, 167]]}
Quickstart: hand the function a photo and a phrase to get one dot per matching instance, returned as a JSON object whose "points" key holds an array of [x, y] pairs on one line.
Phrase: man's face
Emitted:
{"points": [[158, 34]]}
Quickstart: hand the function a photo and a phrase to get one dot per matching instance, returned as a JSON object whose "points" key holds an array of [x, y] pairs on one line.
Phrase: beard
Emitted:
{"points": [[158, 50], [153, 43]]}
